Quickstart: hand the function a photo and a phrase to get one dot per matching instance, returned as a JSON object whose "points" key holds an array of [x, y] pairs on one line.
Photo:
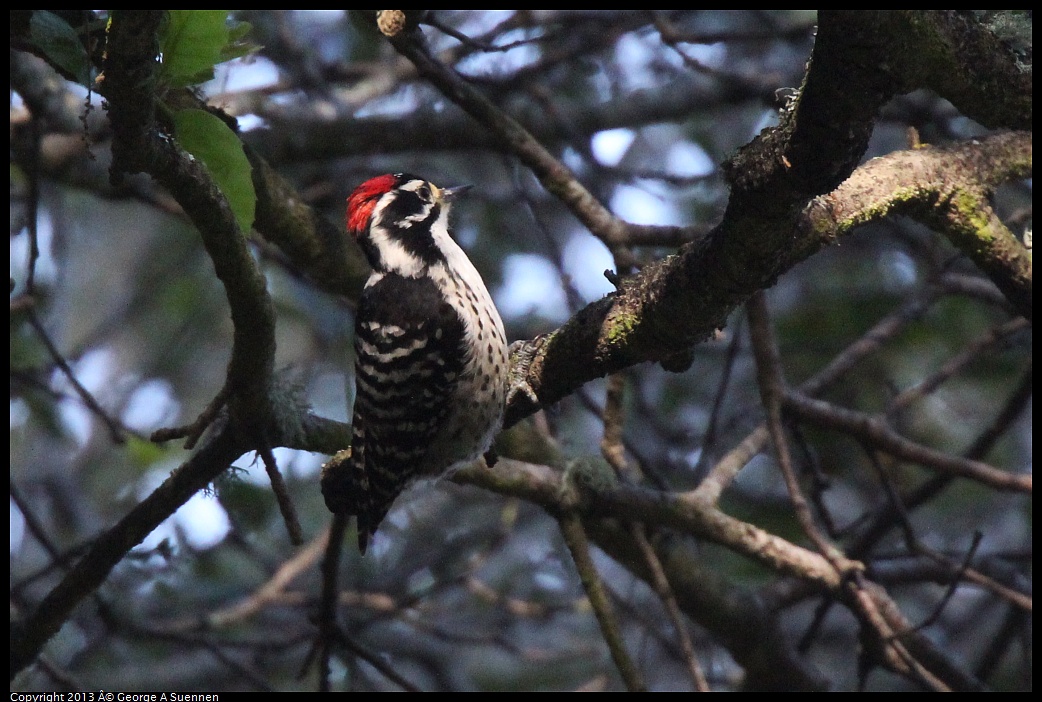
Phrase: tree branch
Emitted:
{"points": [[553, 174], [129, 83], [947, 187], [878, 434], [29, 636], [575, 537], [137, 146]]}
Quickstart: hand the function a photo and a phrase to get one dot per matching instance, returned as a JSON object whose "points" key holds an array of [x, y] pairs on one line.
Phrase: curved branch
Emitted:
{"points": [[947, 187], [137, 146]]}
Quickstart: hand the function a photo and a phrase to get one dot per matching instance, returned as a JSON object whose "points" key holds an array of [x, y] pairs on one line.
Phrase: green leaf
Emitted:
{"points": [[145, 454], [191, 44], [237, 45], [59, 41], [211, 141]]}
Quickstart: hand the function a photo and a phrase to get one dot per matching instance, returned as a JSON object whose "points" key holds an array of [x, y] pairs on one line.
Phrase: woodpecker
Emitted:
{"points": [[431, 356]]}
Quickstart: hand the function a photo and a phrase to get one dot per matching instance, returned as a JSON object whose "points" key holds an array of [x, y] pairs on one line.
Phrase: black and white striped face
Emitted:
{"points": [[401, 222]]}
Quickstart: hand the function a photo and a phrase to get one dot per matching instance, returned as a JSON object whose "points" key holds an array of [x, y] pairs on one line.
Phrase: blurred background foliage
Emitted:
{"points": [[465, 589]]}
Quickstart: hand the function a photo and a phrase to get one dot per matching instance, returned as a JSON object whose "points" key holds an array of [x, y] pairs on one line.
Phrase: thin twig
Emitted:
{"points": [[478, 44], [554, 175], [964, 571], [709, 437], [872, 429], [377, 662], [887, 622], [327, 621], [611, 443], [614, 452], [274, 588], [772, 390], [898, 507], [954, 584], [575, 537], [967, 355], [285, 502], [665, 592], [724, 470], [35, 526], [114, 427], [194, 431]]}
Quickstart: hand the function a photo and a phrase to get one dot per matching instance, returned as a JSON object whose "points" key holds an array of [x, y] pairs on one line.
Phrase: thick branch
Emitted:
{"points": [[947, 187], [960, 58], [315, 246], [137, 146], [731, 613], [681, 299]]}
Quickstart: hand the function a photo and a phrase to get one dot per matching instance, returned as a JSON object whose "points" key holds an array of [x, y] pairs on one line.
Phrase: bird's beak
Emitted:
{"points": [[450, 194]]}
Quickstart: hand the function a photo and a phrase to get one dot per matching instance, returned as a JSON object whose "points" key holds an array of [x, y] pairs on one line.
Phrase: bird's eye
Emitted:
{"points": [[424, 191]]}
